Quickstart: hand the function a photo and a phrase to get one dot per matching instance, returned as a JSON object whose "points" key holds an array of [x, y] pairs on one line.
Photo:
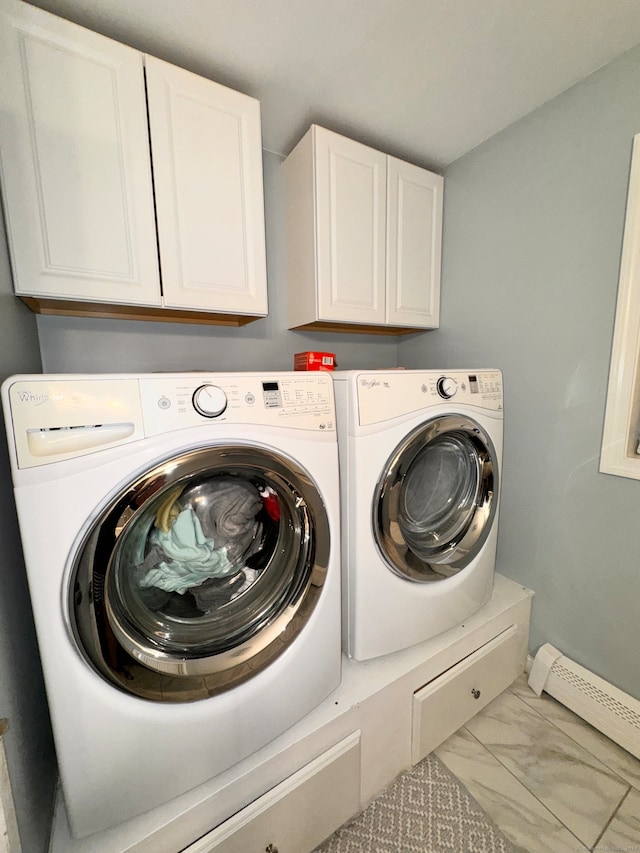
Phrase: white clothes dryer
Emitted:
{"points": [[181, 541], [420, 457]]}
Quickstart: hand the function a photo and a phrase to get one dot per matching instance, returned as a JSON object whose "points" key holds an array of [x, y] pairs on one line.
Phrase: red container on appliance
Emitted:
{"points": [[314, 361]]}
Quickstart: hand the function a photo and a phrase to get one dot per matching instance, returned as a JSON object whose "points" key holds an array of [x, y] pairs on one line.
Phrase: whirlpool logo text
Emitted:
{"points": [[37, 398]]}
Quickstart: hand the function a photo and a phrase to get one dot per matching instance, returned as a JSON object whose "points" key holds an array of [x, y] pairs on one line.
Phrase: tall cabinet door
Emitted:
{"points": [[414, 238], [207, 164], [75, 162], [350, 186]]}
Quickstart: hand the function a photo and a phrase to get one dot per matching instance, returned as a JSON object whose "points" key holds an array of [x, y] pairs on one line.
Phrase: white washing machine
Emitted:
{"points": [[420, 457], [181, 540]]}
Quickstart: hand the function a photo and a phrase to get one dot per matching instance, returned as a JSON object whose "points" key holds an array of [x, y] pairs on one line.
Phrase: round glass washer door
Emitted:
{"points": [[200, 573], [436, 499]]}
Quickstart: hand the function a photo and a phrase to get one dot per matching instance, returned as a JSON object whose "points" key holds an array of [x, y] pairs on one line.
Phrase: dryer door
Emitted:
{"points": [[200, 573], [436, 499]]}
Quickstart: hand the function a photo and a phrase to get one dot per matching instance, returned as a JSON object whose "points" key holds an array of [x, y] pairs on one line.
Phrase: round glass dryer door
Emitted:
{"points": [[436, 499], [200, 573]]}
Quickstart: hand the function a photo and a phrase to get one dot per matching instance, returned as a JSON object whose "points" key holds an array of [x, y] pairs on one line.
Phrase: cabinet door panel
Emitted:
{"points": [[207, 161], [414, 237], [351, 222], [75, 163]]}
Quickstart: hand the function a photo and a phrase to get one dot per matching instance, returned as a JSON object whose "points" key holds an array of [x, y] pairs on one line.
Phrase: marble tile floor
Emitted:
{"points": [[551, 782]]}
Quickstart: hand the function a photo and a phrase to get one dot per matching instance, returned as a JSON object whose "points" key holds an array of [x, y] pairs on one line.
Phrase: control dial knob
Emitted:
{"points": [[209, 401], [447, 387]]}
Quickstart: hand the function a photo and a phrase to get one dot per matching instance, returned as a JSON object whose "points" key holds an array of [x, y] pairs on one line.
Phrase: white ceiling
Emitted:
{"points": [[426, 80]]}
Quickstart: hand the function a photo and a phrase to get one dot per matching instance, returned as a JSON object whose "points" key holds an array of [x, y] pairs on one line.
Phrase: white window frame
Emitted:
{"points": [[621, 435]]}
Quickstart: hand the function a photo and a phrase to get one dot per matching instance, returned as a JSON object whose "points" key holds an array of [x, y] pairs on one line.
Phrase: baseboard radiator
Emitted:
{"points": [[611, 711]]}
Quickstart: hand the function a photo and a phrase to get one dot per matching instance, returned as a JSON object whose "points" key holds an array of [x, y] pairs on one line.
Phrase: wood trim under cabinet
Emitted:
{"points": [[73, 308], [355, 328]]}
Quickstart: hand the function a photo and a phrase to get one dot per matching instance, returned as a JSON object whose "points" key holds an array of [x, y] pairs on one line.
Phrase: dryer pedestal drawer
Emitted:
{"points": [[445, 704], [300, 812]]}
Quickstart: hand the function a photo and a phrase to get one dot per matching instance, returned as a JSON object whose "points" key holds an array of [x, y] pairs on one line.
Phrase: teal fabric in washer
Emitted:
{"points": [[191, 558]]}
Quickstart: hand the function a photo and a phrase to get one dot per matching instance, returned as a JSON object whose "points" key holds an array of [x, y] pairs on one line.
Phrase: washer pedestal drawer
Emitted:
{"points": [[300, 812], [447, 702]]}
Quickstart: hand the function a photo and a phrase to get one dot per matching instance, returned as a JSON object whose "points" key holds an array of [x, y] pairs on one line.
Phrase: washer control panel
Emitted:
{"points": [[57, 417], [385, 394], [296, 400]]}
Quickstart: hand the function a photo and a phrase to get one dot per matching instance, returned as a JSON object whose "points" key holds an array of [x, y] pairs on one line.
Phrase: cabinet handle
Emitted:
{"points": [[270, 848], [476, 695]]}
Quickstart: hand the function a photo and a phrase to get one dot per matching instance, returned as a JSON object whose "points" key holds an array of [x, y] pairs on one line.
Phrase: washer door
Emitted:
{"points": [[436, 499], [200, 573]]}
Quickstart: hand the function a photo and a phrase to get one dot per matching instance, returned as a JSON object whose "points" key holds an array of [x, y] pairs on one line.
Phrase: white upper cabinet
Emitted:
{"points": [[207, 169], [74, 148], [414, 244], [350, 186], [80, 133], [364, 234]]}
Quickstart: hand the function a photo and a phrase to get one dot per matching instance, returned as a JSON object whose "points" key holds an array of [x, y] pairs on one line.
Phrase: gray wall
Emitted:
{"points": [[83, 345], [22, 701], [533, 231]]}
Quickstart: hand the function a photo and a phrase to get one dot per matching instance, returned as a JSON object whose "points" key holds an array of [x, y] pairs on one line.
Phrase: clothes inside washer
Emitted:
{"points": [[189, 556], [227, 508], [199, 539], [219, 591]]}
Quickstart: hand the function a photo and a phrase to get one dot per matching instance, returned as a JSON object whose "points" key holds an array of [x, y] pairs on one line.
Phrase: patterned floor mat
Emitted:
{"points": [[426, 810]]}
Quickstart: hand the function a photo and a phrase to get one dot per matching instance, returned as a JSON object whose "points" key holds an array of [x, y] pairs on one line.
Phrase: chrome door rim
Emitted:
{"points": [[93, 576], [457, 553]]}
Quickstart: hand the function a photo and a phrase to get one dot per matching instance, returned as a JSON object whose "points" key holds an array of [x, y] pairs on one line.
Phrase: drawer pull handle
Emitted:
{"points": [[270, 849], [475, 693]]}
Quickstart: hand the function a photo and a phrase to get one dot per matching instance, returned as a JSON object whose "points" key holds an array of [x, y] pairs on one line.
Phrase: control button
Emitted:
{"points": [[209, 401], [249, 399], [447, 387], [164, 403]]}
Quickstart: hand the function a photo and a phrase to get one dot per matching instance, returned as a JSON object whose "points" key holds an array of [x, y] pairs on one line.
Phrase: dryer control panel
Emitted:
{"points": [[381, 394]]}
